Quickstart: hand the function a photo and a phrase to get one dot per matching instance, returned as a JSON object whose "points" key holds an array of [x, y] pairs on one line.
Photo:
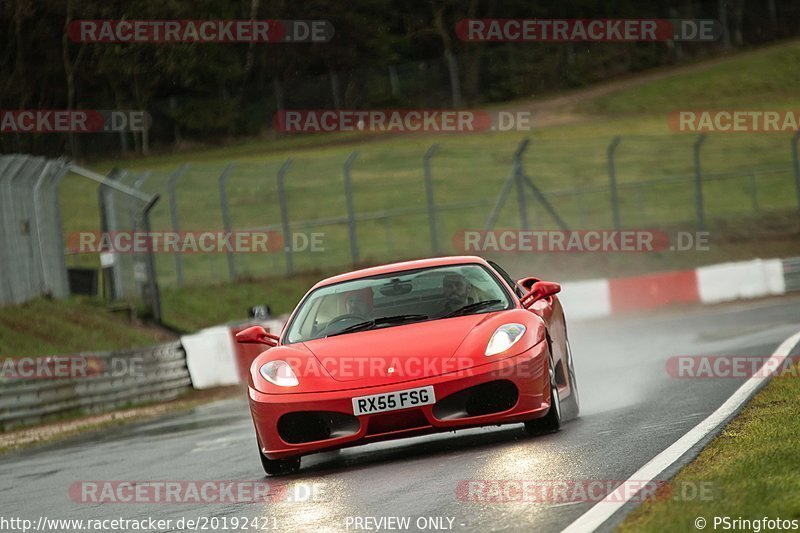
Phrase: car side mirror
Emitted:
{"points": [[257, 335], [527, 283], [538, 291]]}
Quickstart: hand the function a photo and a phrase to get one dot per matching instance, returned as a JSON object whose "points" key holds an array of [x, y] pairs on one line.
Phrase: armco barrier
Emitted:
{"points": [[791, 274], [160, 374]]}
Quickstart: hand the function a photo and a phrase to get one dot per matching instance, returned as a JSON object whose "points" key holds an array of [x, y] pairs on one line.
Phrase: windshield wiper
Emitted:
{"points": [[371, 324], [472, 307]]}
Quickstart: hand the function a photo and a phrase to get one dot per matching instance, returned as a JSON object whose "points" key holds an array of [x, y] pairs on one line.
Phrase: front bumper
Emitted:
{"points": [[528, 372]]}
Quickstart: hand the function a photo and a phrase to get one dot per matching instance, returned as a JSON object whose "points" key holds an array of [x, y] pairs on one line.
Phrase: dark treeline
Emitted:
{"points": [[387, 54]]}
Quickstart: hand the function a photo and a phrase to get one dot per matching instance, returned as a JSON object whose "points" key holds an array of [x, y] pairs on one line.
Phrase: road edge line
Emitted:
{"points": [[599, 513]]}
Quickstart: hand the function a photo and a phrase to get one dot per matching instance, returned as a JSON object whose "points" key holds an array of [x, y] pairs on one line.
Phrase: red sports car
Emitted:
{"points": [[407, 349]]}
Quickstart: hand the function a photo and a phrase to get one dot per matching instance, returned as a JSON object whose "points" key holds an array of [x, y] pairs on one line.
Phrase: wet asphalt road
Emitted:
{"points": [[631, 410]]}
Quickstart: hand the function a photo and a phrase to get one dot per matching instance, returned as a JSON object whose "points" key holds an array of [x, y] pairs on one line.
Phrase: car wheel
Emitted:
{"points": [[279, 467], [550, 422], [571, 406]]}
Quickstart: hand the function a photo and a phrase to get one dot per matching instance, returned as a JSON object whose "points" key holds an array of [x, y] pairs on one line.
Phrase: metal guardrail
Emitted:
{"points": [[161, 374], [791, 274]]}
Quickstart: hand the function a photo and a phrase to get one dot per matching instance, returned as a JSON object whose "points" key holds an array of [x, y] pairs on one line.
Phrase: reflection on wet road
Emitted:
{"points": [[631, 410]]}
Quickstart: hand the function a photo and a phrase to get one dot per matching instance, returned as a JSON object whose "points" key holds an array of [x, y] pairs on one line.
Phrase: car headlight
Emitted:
{"points": [[504, 338], [279, 373]]}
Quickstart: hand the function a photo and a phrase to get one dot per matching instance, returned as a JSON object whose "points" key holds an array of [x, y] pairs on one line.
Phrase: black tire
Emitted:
{"points": [[279, 467], [571, 406], [551, 422]]}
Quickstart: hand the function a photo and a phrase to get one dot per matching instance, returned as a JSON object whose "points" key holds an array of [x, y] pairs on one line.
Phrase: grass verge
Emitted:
{"points": [[192, 308], [57, 327], [751, 468]]}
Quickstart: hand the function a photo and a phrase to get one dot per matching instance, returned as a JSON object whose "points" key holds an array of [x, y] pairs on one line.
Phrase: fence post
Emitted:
{"points": [[287, 239], [39, 223], [8, 219], [226, 217], [137, 184], [698, 182], [521, 201], [108, 224], [524, 179], [796, 160], [612, 180], [351, 216], [173, 211], [153, 293], [127, 262], [130, 202], [61, 280], [432, 222], [512, 178], [138, 264], [26, 216]]}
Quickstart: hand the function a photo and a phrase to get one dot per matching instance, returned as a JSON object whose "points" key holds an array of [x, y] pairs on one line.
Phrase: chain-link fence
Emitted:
{"points": [[336, 207], [37, 256], [411, 199], [31, 247]]}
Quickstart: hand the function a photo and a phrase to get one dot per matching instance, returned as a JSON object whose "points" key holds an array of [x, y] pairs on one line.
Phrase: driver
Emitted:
{"points": [[355, 304], [456, 291]]}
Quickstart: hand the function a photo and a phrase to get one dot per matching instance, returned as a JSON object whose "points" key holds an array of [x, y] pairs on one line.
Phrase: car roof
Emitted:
{"points": [[399, 267]]}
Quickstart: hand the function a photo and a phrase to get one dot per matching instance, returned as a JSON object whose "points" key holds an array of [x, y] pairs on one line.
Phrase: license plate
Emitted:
{"points": [[392, 401]]}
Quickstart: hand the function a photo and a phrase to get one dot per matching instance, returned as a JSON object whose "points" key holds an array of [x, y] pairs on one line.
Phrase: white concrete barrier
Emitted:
{"points": [[210, 357], [740, 280], [586, 299]]}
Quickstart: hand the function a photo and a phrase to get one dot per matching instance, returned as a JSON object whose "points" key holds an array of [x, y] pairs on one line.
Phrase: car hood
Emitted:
{"points": [[395, 353]]}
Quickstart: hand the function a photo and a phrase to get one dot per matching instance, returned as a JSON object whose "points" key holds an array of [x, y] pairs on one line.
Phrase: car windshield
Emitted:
{"points": [[395, 299]]}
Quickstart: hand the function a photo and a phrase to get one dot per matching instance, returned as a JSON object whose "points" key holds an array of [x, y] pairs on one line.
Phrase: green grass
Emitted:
{"points": [[47, 327], [751, 469], [754, 80], [192, 308]]}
